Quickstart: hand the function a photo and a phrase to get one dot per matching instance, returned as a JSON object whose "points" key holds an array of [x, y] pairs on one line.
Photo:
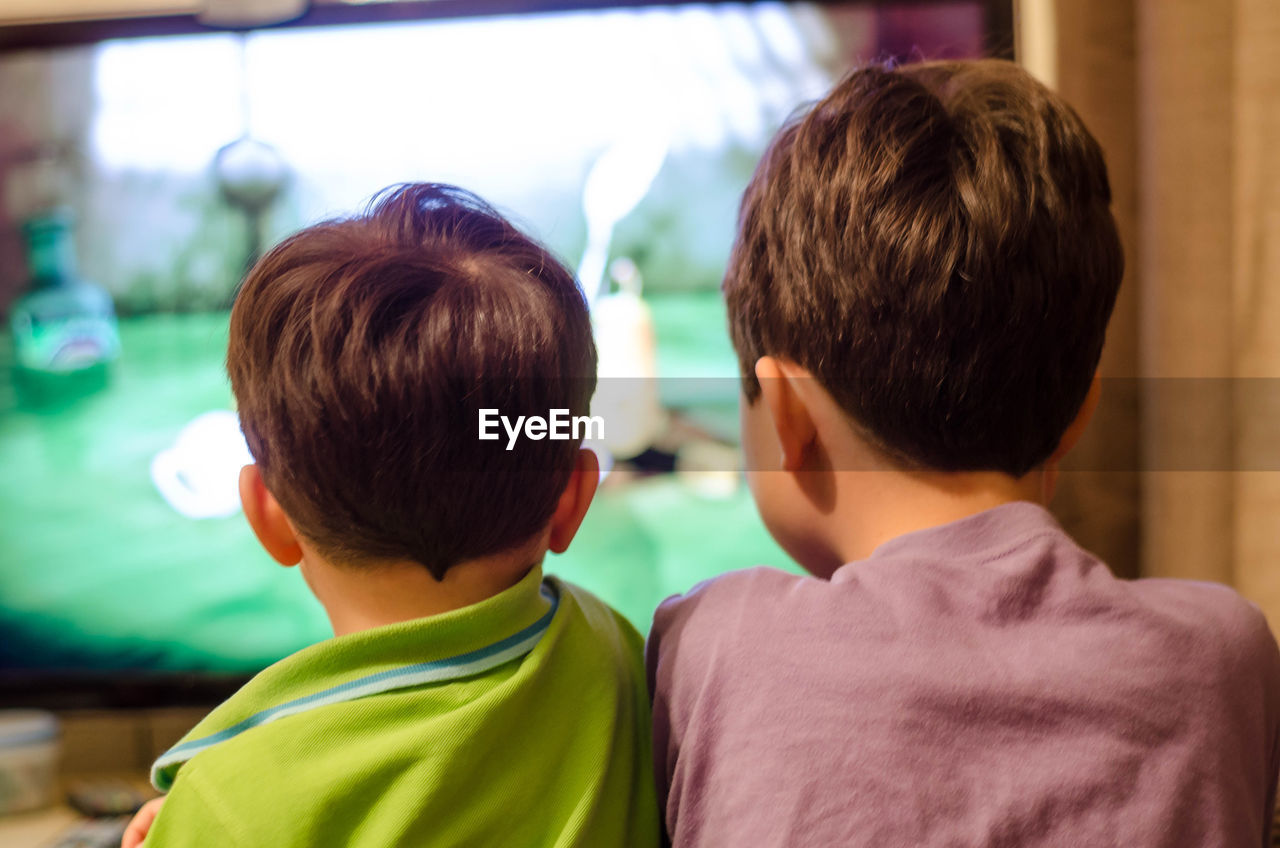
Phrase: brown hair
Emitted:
{"points": [[934, 243], [362, 350]]}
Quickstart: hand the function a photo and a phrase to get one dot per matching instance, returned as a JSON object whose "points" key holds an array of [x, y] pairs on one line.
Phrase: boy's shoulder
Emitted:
{"points": [[1215, 620], [558, 627], [733, 589], [729, 611], [1014, 566], [996, 634], [321, 742], [599, 617]]}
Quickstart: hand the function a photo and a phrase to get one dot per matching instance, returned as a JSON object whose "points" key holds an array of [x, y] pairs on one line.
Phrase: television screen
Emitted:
{"points": [[155, 169]]}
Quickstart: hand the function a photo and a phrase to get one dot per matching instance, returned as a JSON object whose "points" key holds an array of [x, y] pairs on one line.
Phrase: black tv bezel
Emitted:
{"points": [[73, 690], [76, 689], [998, 19]]}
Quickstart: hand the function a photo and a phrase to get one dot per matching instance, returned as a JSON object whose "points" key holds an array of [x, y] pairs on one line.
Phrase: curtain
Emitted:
{"points": [[1180, 474]]}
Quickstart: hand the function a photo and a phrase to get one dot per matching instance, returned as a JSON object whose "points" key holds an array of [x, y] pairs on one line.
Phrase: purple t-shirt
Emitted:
{"points": [[982, 683]]}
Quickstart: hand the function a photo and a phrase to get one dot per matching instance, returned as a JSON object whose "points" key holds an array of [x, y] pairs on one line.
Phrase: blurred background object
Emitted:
{"points": [[28, 760], [250, 173], [64, 327], [250, 13]]}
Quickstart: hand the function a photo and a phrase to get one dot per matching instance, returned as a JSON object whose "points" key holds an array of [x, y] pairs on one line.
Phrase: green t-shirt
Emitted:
{"points": [[522, 720]]}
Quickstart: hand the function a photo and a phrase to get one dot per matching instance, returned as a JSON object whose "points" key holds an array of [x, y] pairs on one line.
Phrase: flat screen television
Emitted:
{"points": [[127, 575]]}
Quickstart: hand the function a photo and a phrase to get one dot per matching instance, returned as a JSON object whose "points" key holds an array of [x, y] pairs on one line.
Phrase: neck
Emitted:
{"points": [[902, 502], [364, 596], [869, 508]]}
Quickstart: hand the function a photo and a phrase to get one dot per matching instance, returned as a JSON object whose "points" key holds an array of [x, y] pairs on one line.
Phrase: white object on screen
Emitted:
{"points": [[200, 475], [616, 184]]}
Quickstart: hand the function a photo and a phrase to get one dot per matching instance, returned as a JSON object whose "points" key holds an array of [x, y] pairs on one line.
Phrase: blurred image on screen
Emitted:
{"points": [[622, 138]]}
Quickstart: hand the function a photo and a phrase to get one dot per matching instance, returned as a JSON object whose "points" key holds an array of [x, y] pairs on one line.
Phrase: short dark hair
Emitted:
{"points": [[360, 353], [934, 243]]}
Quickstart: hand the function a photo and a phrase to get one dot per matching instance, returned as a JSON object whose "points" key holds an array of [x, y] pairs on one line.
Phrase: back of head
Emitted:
{"points": [[361, 351], [934, 243]]}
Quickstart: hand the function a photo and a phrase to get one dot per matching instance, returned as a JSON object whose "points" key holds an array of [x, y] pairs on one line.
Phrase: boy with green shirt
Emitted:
{"points": [[466, 699]]}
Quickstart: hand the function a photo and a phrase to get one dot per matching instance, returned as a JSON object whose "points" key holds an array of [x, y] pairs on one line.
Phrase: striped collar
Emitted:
{"points": [[453, 645]]}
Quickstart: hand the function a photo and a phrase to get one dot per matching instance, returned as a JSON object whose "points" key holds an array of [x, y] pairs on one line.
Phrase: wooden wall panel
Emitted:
{"points": [[1096, 71], [1256, 290], [1185, 171]]}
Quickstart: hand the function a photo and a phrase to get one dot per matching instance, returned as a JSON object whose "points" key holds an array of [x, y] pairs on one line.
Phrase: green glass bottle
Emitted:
{"points": [[64, 327]]}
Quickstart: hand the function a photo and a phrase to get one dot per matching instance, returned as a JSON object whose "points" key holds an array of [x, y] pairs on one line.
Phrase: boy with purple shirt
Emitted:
{"points": [[919, 292]]}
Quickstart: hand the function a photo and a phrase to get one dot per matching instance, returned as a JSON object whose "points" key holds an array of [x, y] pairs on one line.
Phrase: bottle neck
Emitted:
{"points": [[51, 256]]}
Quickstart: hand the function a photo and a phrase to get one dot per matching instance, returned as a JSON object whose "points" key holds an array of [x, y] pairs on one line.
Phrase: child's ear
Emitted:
{"points": [[267, 518], [574, 501], [792, 420]]}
